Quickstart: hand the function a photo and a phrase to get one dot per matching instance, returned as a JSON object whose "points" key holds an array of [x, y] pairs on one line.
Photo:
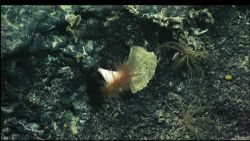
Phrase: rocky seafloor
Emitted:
{"points": [[50, 84]]}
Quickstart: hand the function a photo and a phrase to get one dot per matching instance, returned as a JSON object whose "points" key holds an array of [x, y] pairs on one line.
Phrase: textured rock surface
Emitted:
{"points": [[50, 84]]}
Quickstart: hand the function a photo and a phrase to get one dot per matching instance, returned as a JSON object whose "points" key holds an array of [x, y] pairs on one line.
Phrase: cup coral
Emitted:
{"points": [[116, 81], [133, 74]]}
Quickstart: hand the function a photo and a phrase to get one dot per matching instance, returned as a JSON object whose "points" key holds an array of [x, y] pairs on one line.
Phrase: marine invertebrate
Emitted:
{"points": [[228, 77], [117, 81], [187, 56], [191, 123], [133, 74]]}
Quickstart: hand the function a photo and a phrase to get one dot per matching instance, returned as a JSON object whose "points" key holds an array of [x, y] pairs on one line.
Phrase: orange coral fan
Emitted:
{"points": [[117, 81]]}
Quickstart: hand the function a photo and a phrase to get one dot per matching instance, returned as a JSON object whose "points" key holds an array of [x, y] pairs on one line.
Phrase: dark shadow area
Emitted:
{"points": [[94, 84]]}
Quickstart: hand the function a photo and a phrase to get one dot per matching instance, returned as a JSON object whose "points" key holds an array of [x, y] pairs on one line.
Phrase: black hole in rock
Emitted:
{"points": [[94, 83]]}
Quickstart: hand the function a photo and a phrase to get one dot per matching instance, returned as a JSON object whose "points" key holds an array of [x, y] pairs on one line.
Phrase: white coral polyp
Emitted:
{"points": [[108, 75]]}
